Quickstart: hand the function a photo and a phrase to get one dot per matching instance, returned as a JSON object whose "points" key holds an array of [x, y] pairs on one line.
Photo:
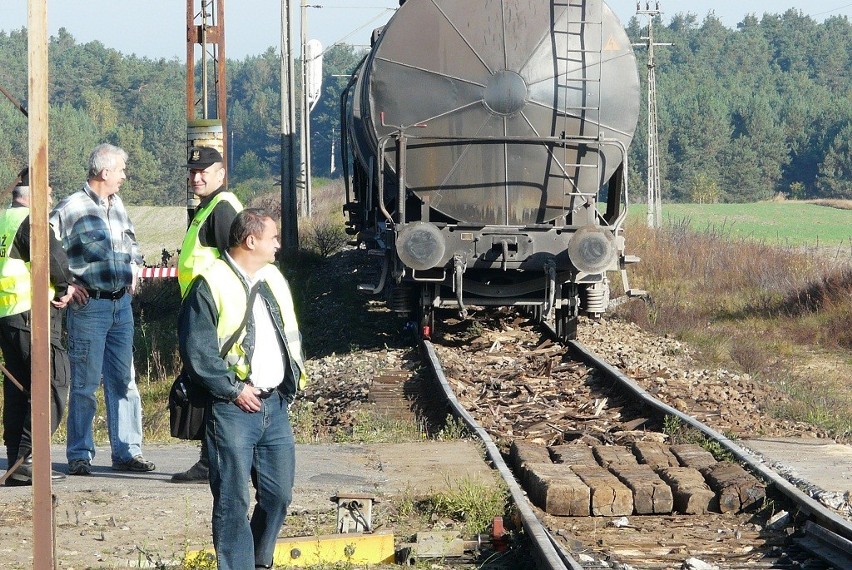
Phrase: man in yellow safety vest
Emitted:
{"points": [[15, 333], [240, 341], [205, 240]]}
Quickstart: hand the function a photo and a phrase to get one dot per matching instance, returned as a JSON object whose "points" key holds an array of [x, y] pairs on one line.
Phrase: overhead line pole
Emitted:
{"points": [[289, 213], [655, 203], [306, 119]]}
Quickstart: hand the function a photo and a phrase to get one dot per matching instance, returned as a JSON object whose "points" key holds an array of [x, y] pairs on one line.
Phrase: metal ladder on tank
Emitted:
{"points": [[573, 24]]}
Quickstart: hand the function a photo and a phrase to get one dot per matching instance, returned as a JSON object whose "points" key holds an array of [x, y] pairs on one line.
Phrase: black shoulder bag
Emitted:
{"points": [[188, 400]]}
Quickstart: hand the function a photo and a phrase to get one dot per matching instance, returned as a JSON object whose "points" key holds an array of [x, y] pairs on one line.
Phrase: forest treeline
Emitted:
{"points": [[743, 114]]}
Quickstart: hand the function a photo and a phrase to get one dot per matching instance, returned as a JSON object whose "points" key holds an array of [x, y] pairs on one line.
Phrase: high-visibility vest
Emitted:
{"points": [[194, 257], [15, 277], [230, 296]]}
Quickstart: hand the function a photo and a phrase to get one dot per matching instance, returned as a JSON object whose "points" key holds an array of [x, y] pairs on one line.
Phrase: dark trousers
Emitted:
{"points": [[16, 344]]}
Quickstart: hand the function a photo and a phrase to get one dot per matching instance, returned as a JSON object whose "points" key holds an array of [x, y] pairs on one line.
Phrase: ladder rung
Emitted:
{"points": [[562, 57], [572, 165], [581, 24], [569, 4]]}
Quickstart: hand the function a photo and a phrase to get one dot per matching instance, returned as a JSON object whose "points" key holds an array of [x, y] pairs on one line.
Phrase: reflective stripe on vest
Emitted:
{"points": [[230, 296], [194, 257], [15, 279]]}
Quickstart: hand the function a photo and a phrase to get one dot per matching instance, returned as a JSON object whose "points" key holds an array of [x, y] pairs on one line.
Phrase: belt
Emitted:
{"points": [[264, 394], [111, 295]]}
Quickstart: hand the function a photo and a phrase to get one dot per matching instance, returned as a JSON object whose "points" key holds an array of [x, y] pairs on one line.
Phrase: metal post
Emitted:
{"points": [[653, 167], [306, 118], [205, 25], [289, 216], [218, 40], [653, 178], [44, 555]]}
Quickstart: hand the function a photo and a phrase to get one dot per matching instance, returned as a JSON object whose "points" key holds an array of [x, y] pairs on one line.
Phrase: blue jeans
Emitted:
{"points": [[100, 345], [243, 446]]}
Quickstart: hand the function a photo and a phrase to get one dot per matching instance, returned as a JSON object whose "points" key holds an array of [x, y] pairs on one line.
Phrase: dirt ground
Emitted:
{"points": [[119, 520]]}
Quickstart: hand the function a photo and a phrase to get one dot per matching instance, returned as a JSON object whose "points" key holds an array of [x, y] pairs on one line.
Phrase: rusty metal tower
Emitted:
{"points": [[206, 99]]}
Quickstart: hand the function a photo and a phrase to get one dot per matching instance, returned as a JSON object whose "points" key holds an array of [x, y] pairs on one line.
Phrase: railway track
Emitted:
{"points": [[565, 427]]}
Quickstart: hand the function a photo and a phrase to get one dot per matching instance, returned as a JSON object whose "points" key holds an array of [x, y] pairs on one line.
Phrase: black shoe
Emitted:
{"points": [[79, 467], [23, 475], [198, 473], [135, 463]]}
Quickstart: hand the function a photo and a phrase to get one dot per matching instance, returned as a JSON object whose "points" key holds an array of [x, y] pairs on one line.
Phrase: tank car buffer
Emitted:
{"points": [[489, 162]]}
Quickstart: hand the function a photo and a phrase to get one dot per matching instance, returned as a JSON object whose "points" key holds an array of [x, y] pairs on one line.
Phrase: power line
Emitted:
{"points": [[358, 29], [832, 10]]}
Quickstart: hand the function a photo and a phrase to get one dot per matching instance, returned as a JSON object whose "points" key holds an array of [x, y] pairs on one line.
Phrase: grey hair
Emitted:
{"points": [[104, 156]]}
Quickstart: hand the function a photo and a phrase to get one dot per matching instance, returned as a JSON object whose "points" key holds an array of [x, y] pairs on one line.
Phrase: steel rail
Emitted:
{"points": [[549, 554], [822, 515]]}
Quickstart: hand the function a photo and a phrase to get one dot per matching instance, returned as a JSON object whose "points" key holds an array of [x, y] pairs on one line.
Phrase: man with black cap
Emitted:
{"points": [[205, 241], [15, 333]]}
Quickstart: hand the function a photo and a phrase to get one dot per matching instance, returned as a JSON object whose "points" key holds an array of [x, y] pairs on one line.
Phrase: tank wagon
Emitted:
{"points": [[489, 147]]}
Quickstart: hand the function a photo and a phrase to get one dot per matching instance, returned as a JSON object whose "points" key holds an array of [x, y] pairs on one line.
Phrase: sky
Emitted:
{"points": [[156, 28]]}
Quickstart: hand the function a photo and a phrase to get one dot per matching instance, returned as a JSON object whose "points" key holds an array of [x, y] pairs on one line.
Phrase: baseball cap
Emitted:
{"points": [[200, 157]]}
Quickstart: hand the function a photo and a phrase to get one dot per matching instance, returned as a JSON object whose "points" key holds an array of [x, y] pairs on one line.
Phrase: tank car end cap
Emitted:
{"points": [[420, 246]]}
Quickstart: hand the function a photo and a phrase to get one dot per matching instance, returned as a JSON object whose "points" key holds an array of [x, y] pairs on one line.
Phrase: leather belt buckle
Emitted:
{"points": [[111, 295], [264, 394]]}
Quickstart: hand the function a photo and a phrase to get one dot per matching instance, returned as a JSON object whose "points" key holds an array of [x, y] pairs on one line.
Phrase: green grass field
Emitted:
{"points": [[789, 223], [158, 228]]}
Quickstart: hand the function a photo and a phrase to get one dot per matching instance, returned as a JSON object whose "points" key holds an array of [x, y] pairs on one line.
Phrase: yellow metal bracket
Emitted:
{"points": [[299, 551]]}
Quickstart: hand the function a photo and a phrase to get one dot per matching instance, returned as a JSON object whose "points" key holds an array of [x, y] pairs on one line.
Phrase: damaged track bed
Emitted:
{"points": [[603, 477]]}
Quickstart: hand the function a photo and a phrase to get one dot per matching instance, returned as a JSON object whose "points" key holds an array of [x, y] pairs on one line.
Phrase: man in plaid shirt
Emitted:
{"points": [[103, 256]]}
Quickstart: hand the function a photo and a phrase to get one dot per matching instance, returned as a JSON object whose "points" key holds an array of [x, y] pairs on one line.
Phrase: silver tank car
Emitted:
{"points": [[490, 142]]}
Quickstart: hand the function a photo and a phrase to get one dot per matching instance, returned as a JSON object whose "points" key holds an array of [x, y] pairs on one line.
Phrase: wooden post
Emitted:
{"points": [[43, 529]]}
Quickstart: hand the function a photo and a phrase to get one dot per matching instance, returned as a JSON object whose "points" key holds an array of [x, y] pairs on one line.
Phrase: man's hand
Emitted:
{"points": [[79, 295], [63, 301], [248, 401], [134, 281]]}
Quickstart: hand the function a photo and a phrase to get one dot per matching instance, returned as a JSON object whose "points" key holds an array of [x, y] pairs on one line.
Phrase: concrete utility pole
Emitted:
{"points": [[289, 214], [654, 186]]}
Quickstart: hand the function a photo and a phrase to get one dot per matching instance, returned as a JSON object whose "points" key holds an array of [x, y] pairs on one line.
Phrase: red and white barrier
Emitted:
{"points": [[158, 273]]}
